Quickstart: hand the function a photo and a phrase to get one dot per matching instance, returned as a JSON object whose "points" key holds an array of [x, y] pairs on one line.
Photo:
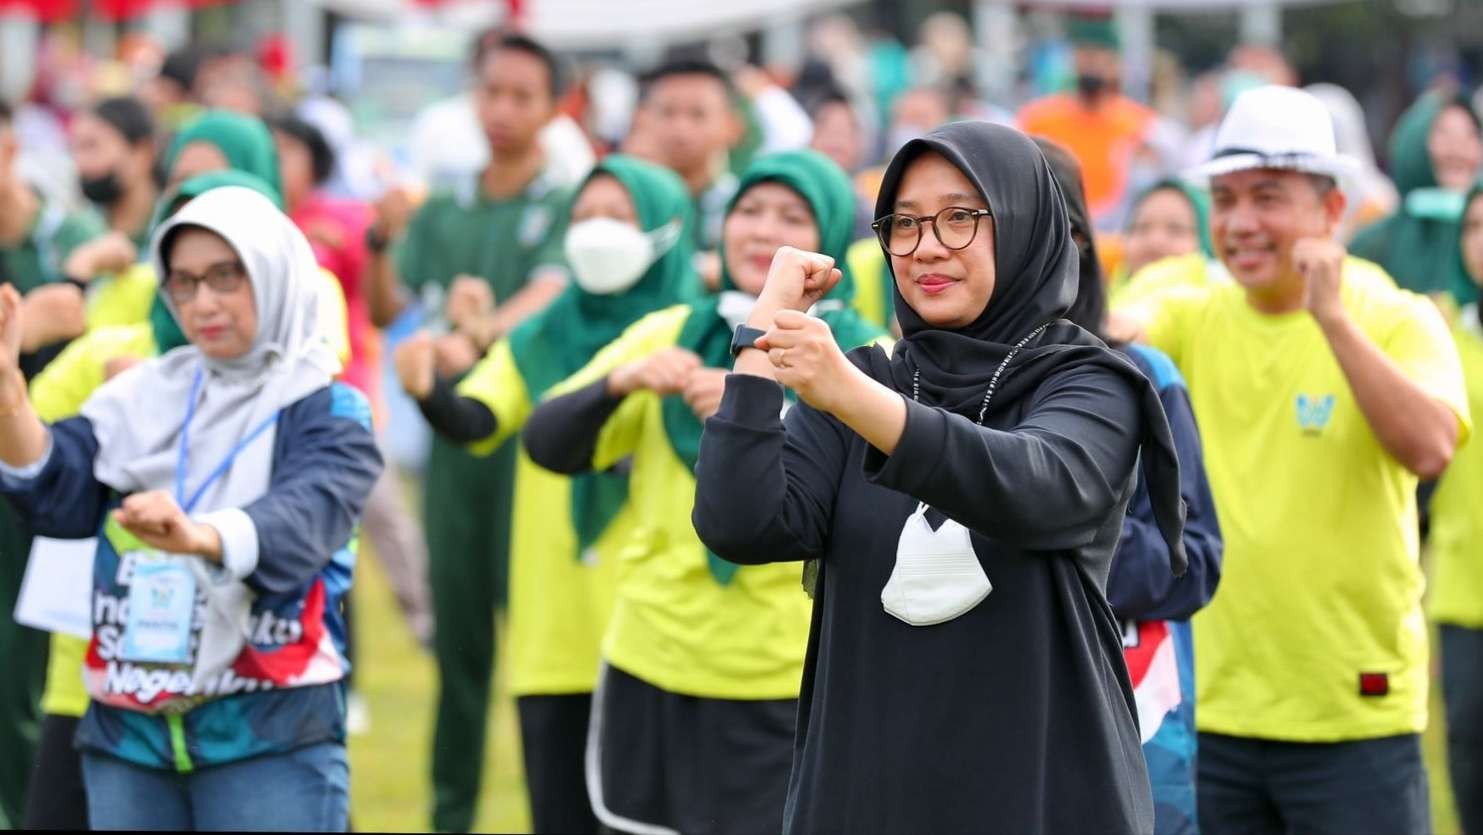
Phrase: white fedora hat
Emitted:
{"points": [[1276, 127]]}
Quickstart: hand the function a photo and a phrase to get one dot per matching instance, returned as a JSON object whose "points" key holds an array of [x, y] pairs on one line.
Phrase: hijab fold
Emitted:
{"points": [[1037, 268], [555, 343]]}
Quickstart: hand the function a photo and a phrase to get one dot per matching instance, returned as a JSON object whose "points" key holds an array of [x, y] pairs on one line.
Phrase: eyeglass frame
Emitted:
{"points": [[234, 269], [922, 221]]}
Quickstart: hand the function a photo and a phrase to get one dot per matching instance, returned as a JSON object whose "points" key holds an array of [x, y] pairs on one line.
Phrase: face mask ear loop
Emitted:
{"points": [[665, 237]]}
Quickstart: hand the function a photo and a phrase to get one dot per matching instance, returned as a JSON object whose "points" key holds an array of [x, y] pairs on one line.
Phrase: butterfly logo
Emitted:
{"points": [[1314, 412], [160, 597]]}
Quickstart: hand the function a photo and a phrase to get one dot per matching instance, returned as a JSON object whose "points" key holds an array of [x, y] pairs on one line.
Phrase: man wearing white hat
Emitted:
{"points": [[1322, 392]]}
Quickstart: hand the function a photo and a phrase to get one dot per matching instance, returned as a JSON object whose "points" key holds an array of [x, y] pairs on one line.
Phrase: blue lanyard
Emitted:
{"points": [[182, 460]]}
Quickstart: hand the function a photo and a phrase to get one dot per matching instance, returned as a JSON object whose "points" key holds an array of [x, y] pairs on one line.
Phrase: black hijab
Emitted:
{"points": [[1037, 269], [1090, 307]]}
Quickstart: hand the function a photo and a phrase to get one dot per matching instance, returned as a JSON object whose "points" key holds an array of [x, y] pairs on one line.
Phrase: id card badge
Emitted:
{"points": [[162, 605]]}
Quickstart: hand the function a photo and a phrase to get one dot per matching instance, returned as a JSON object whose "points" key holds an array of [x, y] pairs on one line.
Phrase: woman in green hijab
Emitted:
{"points": [[630, 251], [693, 723], [1436, 152], [219, 139]]}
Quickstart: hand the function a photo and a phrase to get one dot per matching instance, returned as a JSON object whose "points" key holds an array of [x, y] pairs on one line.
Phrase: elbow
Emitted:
{"points": [[1430, 461], [548, 452], [726, 539]]}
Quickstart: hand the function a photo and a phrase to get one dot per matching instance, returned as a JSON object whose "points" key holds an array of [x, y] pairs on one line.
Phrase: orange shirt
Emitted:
{"points": [[1102, 140]]}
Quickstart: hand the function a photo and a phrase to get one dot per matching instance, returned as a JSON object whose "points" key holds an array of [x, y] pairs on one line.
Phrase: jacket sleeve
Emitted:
{"points": [[765, 492], [62, 500], [1140, 586], [1047, 484], [325, 465]]}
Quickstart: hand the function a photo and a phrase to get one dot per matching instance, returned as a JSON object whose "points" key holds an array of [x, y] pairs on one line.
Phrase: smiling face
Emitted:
{"points": [[765, 217], [221, 324], [948, 288], [1163, 226], [1257, 215], [1455, 148]]}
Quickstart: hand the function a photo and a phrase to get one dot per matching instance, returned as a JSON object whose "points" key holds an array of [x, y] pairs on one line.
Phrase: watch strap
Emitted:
{"points": [[745, 337]]}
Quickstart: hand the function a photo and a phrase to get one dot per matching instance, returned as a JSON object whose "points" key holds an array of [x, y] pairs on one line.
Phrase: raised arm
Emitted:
{"points": [[1046, 484], [763, 493]]}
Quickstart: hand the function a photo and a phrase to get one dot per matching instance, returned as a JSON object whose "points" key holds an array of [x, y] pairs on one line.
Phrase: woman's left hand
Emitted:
{"points": [[158, 522], [806, 359]]}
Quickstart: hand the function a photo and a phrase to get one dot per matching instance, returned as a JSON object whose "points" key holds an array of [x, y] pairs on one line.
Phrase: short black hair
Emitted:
{"points": [[321, 155], [129, 116], [1323, 184], [182, 65], [686, 66], [6, 114], [491, 41]]}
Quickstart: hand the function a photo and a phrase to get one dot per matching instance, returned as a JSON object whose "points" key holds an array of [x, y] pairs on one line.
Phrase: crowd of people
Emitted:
{"points": [[842, 455]]}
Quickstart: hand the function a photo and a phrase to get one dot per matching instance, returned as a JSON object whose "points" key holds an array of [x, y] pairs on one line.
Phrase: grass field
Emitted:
{"points": [[390, 783]]}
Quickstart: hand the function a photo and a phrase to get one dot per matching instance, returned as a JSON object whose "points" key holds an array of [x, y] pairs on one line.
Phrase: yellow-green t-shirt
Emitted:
{"points": [[1456, 595], [673, 625], [560, 600], [57, 393], [121, 299], [872, 300], [1321, 582]]}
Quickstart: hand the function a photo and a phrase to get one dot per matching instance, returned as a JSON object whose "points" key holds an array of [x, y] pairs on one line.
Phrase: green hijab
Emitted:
{"points": [[244, 140], [831, 196], [1199, 202], [167, 333], [555, 343], [1415, 244]]}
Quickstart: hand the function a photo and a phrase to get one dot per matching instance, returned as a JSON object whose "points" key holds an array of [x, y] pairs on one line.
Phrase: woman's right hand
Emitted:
{"points": [[664, 372], [797, 280], [414, 365]]}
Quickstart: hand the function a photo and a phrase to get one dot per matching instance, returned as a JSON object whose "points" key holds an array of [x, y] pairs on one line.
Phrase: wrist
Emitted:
{"points": [[1331, 319], [207, 541], [764, 312], [14, 401]]}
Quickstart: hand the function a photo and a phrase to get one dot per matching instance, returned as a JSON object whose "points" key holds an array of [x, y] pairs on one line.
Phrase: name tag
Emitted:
{"points": [[162, 604]]}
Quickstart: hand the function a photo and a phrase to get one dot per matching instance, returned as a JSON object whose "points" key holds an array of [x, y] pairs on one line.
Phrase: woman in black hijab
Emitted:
{"points": [[963, 497]]}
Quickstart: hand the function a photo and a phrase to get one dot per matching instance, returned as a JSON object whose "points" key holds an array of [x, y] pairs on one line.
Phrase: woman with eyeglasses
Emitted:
{"points": [[224, 481], [963, 495], [692, 719]]}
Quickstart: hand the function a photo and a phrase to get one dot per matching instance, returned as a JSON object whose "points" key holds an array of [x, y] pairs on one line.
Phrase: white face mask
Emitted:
{"points": [[937, 576], [609, 256]]}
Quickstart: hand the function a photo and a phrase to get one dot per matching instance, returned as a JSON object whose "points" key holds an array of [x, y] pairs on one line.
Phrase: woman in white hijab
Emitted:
{"points": [[223, 481]]}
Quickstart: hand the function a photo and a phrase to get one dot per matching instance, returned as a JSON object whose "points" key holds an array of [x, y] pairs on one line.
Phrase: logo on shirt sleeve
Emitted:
{"points": [[1314, 412]]}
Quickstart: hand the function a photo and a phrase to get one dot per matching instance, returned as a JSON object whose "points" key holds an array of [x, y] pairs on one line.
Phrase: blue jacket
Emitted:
{"points": [[1156, 607], [283, 691]]}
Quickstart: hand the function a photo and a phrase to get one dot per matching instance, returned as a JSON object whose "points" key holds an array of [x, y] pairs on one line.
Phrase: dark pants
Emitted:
{"points": [[553, 736], [662, 760], [1462, 690], [23, 651], [57, 799], [1252, 786], [467, 522]]}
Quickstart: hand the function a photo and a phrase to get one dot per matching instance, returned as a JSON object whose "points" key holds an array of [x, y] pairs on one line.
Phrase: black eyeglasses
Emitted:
{"points": [[955, 228], [224, 277]]}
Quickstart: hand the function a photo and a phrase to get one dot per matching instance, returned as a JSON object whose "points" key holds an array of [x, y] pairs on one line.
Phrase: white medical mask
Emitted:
{"points": [[937, 576], [609, 256]]}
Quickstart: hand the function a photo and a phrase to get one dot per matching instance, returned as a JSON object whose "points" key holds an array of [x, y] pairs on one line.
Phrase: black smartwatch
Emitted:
{"points": [[744, 338]]}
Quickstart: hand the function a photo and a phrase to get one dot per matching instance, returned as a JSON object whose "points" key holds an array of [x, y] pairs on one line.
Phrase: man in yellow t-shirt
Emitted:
{"points": [[1322, 394]]}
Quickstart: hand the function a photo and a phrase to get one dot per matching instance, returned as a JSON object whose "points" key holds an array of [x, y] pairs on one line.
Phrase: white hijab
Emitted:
{"points": [[138, 416]]}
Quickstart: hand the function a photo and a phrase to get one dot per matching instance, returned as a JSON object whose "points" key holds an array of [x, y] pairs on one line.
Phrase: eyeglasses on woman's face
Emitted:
{"points": [[222, 277], [954, 226]]}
